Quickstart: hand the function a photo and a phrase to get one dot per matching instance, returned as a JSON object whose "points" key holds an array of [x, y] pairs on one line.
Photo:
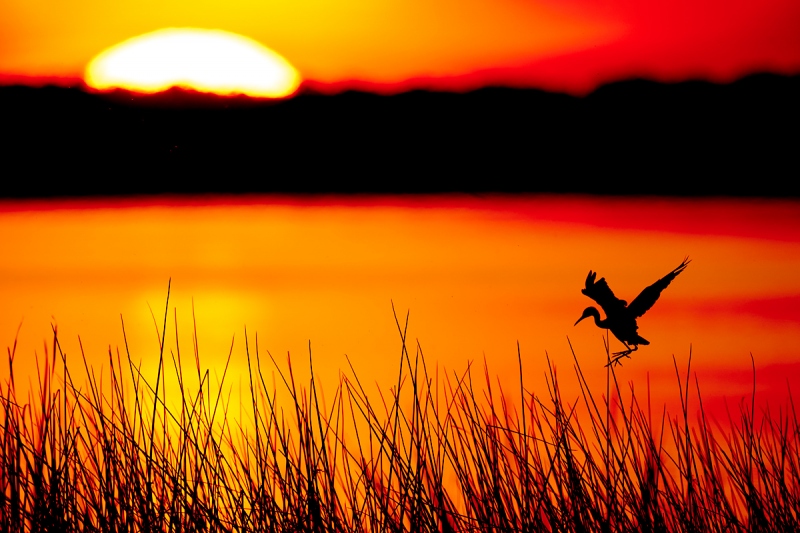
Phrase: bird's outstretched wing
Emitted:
{"points": [[600, 292], [649, 295]]}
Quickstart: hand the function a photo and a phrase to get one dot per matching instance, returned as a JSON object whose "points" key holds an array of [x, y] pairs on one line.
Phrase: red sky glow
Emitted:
{"points": [[566, 45]]}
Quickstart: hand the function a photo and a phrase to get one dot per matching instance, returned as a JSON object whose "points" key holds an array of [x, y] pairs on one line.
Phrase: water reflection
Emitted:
{"points": [[477, 275]]}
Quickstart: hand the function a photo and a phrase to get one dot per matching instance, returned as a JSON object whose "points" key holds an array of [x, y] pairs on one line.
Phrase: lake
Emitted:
{"points": [[476, 276]]}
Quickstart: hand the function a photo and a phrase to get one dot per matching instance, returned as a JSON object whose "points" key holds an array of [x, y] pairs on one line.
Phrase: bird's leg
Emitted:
{"points": [[625, 353]]}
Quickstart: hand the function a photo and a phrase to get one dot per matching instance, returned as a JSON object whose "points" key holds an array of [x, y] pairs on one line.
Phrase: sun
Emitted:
{"points": [[212, 61]]}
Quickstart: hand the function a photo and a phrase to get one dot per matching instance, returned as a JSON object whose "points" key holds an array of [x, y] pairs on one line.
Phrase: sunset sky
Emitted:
{"points": [[185, 252], [477, 275], [570, 45]]}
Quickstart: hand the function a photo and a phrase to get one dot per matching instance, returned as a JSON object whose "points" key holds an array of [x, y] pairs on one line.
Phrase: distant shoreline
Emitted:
{"points": [[634, 137]]}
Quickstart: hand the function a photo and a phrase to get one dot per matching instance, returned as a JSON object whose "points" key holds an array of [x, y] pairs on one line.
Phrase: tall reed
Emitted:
{"points": [[433, 453]]}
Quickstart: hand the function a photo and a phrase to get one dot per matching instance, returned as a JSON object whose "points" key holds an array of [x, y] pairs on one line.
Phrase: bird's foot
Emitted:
{"points": [[617, 356]]}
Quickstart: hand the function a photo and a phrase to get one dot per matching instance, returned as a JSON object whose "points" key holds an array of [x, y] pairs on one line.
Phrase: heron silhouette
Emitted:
{"points": [[621, 317]]}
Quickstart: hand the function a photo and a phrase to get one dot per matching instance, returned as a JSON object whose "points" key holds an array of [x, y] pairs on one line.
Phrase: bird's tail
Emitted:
{"points": [[641, 340]]}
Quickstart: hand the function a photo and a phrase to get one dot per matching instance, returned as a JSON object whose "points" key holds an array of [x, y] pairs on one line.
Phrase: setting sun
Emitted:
{"points": [[211, 61]]}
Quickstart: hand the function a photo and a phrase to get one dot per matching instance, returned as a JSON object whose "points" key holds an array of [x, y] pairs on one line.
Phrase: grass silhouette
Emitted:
{"points": [[435, 453]]}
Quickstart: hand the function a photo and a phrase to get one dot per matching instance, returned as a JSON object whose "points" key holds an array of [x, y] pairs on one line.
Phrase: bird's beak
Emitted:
{"points": [[581, 318]]}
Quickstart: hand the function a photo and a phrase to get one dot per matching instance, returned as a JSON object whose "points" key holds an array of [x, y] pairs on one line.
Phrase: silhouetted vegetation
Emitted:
{"points": [[628, 138], [435, 453]]}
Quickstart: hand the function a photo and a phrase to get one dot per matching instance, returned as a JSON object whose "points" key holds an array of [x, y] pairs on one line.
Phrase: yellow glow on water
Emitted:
{"points": [[321, 276], [211, 61]]}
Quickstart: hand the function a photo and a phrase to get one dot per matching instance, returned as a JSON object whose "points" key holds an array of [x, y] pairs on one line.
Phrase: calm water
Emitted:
{"points": [[476, 275]]}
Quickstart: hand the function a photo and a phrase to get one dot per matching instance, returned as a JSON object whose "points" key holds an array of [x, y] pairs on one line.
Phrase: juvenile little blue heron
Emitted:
{"points": [[621, 317]]}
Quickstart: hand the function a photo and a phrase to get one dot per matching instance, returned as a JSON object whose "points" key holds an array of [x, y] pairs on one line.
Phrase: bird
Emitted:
{"points": [[621, 317]]}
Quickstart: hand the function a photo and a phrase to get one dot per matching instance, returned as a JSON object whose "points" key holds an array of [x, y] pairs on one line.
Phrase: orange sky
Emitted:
{"points": [[558, 44], [477, 275]]}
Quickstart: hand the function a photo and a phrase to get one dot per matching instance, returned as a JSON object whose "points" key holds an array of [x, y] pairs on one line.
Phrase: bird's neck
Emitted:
{"points": [[597, 322]]}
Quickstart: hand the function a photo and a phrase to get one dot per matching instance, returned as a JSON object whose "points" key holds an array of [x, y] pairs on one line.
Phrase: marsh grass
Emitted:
{"points": [[434, 453]]}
